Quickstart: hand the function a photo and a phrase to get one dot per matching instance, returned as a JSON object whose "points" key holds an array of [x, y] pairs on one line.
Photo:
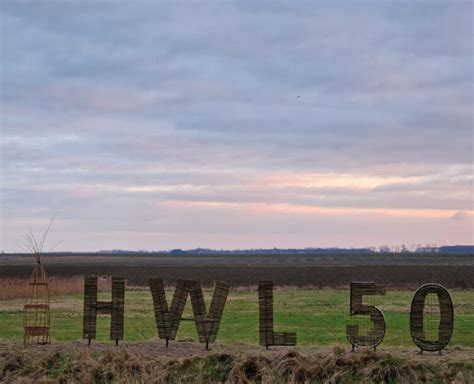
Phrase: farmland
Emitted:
{"points": [[318, 316], [392, 270], [311, 298]]}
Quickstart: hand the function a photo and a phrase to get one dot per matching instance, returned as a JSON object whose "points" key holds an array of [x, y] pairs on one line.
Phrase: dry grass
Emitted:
{"points": [[148, 364], [15, 288]]}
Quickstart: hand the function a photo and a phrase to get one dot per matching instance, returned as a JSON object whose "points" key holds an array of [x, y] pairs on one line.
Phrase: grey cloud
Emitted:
{"points": [[207, 94], [461, 216]]}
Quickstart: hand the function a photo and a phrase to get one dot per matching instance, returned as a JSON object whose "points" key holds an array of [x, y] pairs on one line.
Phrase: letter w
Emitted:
{"points": [[167, 320]]}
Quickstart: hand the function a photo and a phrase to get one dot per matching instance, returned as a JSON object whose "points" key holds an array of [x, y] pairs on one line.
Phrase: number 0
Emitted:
{"points": [[446, 310]]}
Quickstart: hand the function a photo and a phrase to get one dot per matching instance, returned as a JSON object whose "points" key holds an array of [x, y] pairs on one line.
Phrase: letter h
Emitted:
{"points": [[92, 307]]}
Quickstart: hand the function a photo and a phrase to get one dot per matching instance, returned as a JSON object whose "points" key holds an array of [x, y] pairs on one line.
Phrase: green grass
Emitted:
{"points": [[319, 317]]}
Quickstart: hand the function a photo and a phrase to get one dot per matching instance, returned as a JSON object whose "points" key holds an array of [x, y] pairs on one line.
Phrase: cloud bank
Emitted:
{"points": [[237, 125]]}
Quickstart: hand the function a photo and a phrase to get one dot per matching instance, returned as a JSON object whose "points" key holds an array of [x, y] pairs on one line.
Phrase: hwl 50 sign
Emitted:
{"points": [[168, 317]]}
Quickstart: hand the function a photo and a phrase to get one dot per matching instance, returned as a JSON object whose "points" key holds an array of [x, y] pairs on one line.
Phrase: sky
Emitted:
{"points": [[158, 125]]}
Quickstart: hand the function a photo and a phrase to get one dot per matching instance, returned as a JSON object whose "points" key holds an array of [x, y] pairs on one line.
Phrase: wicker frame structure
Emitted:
{"points": [[168, 319], [376, 334], [446, 324], [267, 336], [92, 307], [36, 311]]}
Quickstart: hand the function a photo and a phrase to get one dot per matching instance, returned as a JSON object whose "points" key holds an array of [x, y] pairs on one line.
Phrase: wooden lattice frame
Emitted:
{"points": [[36, 312], [168, 319], [446, 325], [359, 289], [92, 307], [265, 302]]}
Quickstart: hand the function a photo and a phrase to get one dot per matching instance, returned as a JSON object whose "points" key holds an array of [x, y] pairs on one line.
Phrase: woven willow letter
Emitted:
{"points": [[430, 331], [167, 320], [92, 307], [369, 332], [265, 302]]}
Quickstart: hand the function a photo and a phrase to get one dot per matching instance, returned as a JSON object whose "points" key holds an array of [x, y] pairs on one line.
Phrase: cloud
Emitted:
{"points": [[110, 110], [461, 216]]}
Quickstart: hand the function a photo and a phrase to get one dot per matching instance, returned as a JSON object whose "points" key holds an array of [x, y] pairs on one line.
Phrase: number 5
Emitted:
{"points": [[376, 332]]}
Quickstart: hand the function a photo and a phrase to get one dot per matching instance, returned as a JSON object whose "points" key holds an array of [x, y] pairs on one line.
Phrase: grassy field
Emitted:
{"points": [[318, 316]]}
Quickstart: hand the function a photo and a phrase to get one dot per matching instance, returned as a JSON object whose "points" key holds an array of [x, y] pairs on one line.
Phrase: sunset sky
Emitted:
{"points": [[159, 125]]}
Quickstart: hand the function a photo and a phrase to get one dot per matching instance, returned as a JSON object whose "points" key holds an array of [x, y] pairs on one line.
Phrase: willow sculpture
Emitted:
{"points": [[36, 316]]}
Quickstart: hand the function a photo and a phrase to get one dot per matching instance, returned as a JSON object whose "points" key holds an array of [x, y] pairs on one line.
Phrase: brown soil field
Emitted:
{"points": [[290, 260], [313, 270], [302, 276], [185, 362]]}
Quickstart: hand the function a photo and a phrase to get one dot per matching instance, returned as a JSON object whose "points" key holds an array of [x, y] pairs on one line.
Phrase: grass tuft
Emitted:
{"points": [[76, 363]]}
